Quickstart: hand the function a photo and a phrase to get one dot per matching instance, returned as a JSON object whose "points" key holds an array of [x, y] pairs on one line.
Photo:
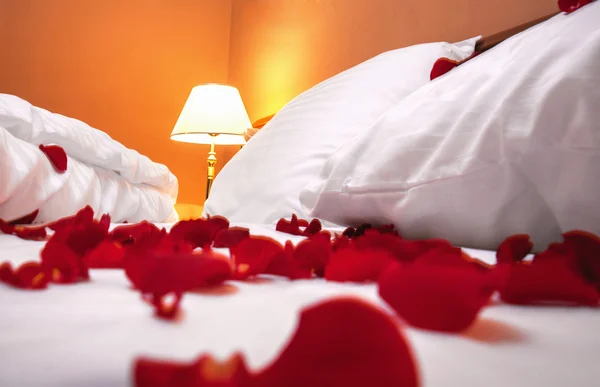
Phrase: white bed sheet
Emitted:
{"points": [[89, 334]]}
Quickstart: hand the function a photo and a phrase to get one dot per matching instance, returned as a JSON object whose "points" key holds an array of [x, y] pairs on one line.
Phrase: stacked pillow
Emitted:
{"points": [[262, 182], [506, 143]]}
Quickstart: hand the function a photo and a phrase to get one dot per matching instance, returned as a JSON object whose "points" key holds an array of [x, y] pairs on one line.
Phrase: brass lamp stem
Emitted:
{"points": [[212, 160]]}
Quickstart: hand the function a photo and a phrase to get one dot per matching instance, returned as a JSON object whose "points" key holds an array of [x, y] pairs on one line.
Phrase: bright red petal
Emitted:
{"points": [[291, 227], [57, 156], [198, 232], [441, 67], [106, 255], [286, 264], [436, 297], [29, 275]]}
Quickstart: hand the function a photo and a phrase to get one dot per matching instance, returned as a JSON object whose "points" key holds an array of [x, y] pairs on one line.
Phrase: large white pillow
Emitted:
{"points": [[508, 142], [262, 182]]}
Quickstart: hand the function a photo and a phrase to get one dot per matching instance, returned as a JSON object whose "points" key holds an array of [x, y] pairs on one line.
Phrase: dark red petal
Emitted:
{"points": [[230, 237], [547, 281], [27, 219], [303, 223], [514, 249], [6, 227], [569, 6], [252, 255], [451, 256], [435, 297], [357, 265], [205, 372], [56, 155], [343, 342], [441, 67], [586, 247], [313, 227]]}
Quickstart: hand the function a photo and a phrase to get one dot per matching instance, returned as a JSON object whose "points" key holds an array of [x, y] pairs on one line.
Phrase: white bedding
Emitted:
{"points": [[101, 172], [88, 334]]}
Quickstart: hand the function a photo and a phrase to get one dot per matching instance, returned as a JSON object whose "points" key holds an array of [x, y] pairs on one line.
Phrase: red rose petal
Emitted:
{"points": [[286, 264], [6, 227], [435, 297], [60, 263], [206, 372], [27, 219], [569, 6], [198, 232], [586, 247], [106, 255], [313, 227], [30, 233], [83, 216], [29, 275], [134, 232], [230, 237], [291, 227], [441, 67], [547, 281], [341, 342], [252, 255], [313, 253], [56, 155], [357, 265], [514, 249], [163, 272]]}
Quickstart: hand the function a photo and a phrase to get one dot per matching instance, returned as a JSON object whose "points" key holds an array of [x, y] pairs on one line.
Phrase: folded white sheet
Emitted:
{"points": [[101, 172]]}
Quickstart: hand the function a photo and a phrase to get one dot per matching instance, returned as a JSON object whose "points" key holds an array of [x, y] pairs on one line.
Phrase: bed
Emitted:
{"points": [[315, 281]]}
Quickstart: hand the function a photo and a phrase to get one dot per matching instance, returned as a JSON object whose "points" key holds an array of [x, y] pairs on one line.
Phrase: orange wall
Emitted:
{"points": [[280, 48], [124, 66], [127, 66]]}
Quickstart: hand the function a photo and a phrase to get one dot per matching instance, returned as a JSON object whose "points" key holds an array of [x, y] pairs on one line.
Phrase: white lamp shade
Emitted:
{"points": [[212, 109]]}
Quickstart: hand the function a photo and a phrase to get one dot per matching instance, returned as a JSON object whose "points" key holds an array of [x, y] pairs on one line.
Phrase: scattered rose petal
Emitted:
{"points": [[29, 275], [56, 155], [293, 226], [443, 298], [106, 255], [586, 247], [341, 342], [569, 6], [230, 237], [199, 232], [514, 249], [441, 67], [549, 279], [252, 255], [27, 219], [357, 265]]}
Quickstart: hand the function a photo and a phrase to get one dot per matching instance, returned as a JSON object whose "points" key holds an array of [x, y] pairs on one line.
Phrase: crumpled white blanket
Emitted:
{"points": [[101, 172]]}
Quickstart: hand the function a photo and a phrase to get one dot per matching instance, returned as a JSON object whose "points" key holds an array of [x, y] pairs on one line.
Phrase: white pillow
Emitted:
{"points": [[262, 182], [508, 142]]}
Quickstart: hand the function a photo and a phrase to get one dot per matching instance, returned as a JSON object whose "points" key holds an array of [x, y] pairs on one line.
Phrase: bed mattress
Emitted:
{"points": [[90, 337]]}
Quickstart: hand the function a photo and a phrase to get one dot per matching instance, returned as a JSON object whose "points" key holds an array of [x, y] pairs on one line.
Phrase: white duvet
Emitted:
{"points": [[101, 172]]}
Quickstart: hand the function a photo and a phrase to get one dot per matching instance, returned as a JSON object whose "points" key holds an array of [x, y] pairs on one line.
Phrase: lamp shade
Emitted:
{"points": [[212, 109]]}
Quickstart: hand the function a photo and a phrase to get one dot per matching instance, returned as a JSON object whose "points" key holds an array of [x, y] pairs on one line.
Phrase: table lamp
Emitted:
{"points": [[213, 114]]}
